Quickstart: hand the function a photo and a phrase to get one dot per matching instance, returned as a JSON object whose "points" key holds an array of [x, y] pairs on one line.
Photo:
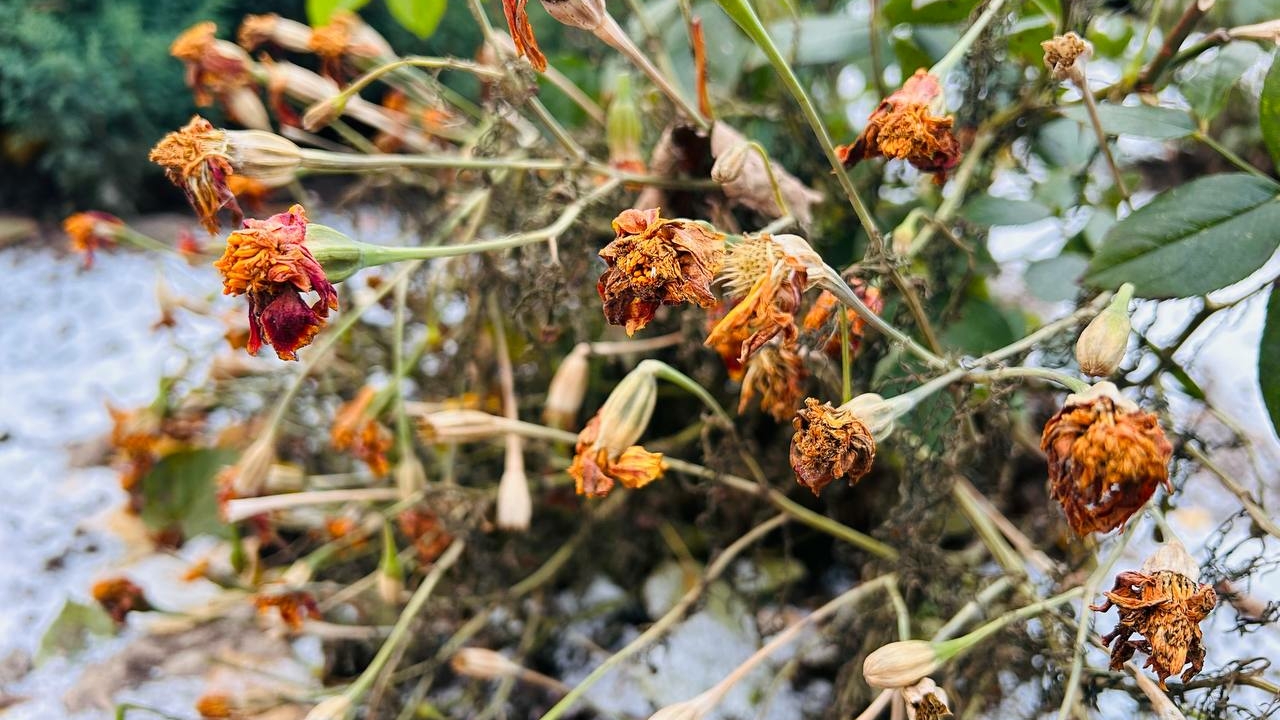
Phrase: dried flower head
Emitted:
{"points": [[256, 30], [119, 596], [293, 606], [825, 307], [1106, 458], [91, 230], [356, 429], [196, 158], [770, 283], [346, 35], [904, 127], [1164, 605], [1062, 52], [215, 705], [522, 33], [900, 664], [596, 469], [776, 373], [926, 701], [655, 261], [222, 70], [423, 528], [268, 260], [829, 443]]}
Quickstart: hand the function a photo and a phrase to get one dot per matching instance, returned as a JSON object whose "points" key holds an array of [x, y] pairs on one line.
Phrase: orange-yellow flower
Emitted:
{"points": [[904, 127], [268, 260], [215, 706], [774, 283], [424, 529], [522, 33], [220, 69], [294, 606], [355, 428], [91, 230], [776, 373], [596, 468], [119, 596], [1106, 458], [655, 261], [826, 307], [1164, 605], [197, 159], [830, 443]]}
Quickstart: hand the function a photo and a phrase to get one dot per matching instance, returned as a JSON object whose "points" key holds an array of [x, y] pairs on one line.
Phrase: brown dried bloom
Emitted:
{"points": [[424, 529], [196, 158], [655, 261], [1164, 605], [770, 283], [356, 428], [776, 373], [522, 33], [222, 70], [829, 443], [903, 127], [119, 596], [1062, 52], [926, 701], [346, 34], [1106, 458], [596, 469], [826, 307], [294, 606]]}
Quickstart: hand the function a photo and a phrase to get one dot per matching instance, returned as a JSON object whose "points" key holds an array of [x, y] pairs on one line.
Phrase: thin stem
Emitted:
{"points": [[1073, 384], [1251, 506], [323, 161], [562, 83], [783, 209], [604, 348], [1104, 144], [957, 51], [832, 282], [1231, 156], [240, 508], [1186, 23], [684, 382], [900, 610], [846, 360], [558, 131], [612, 34], [952, 648]]}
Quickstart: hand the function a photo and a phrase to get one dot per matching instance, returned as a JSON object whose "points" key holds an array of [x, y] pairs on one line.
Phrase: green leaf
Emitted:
{"points": [[1160, 123], [1269, 360], [420, 17], [982, 327], [1057, 278], [69, 632], [180, 490], [1025, 36], [924, 12], [988, 210], [1269, 111], [1192, 240], [1209, 87], [319, 12]]}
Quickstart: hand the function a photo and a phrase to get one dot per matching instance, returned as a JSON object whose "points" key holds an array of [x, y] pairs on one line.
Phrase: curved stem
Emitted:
{"points": [[957, 51], [1073, 384]]}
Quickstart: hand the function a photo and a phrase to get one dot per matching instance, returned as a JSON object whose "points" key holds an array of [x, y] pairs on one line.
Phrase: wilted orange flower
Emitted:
{"points": [[596, 469], [134, 435], [213, 67], [522, 33], [268, 260], [119, 596], [1164, 605], [215, 706], [424, 529], [355, 428], [903, 127], [826, 306], [776, 373], [1106, 458], [1062, 52], [188, 246], [196, 159], [91, 230], [294, 606], [776, 282], [653, 262], [829, 443], [253, 193]]}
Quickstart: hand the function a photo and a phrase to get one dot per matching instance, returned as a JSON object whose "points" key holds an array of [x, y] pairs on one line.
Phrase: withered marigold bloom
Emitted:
{"points": [[829, 443], [91, 230], [356, 428], [522, 33], [596, 468], [294, 606], [655, 261], [1164, 605], [776, 373], [926, 701], [826, 307], [119, 597], [904, 127], [1106, 458], [1062, 52], [196, 158], [215, 705], [268, 260], [220, 69], [424, 529], [770, 284]]}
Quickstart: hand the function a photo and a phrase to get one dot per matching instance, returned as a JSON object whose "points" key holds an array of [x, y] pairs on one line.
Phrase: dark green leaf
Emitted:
{"points": [[922, 12], [988, 210], [420, 17], [180, 490], [1138, 120], [1057, 278], [1209, 87], [69, 632], [981, 327], [1269, 111], [1269, 360], [1193, 239], [1025, 36], [319, 12]]}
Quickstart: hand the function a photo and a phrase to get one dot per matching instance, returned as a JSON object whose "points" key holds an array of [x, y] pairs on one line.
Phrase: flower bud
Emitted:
{"points": [[321, 114], [390, 572], [266, 157], [624, 128], [568, 389], [335, 707], [583, 14], [626, 412], [730, 165], [900, 664], [515, 507], [483, 664], [453, 426], [1268, 31], [245, 107], [926, 701], [1103, 341], [411, 476]]}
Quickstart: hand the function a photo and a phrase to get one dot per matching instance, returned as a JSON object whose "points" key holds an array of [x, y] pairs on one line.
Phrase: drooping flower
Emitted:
{"points": [[356, 428], [1106, 458], [655, 261], [830, 443], [256, 30], [268, 260], [196, 158], [1164, 604], [904, 127], [119, 596], [91, 230], [294, 606], [522, 33], [776, 373], [770, 283], [606, 452], [220, 69], [346, 35]]}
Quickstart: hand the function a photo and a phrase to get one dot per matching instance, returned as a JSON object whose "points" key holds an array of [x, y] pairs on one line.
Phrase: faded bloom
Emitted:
{"points": [[256, 30], [1062, 52], [268, 260], [769, 282], [356, 429], [655, 261], [119, 596], [293, 606], [483, 664], [215, 705], [926, 701], [776, 373], [424, 529], [522, 33], [606, 452], [900, 664], [1102, 343], [347, 35], [1106, 458], [828, 305], [904, 127], [196, 159], [221, 69], [830, 443], [582, 14], [1164, 605], [92, 230]]}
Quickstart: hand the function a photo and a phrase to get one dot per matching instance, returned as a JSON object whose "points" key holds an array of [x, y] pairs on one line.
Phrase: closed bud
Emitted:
{"points": [[926, 701], [1102, 344], [483, 664], [515, 506], [411, 476], [626, 413], [245, 107], [729, 165], [269, 158], [900, 664], [336, 707], [568, 389], [624, 128], [583, 14], [390, 572]]}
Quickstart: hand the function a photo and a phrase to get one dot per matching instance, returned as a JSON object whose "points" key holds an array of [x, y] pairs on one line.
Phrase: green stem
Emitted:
{"points": [[324, 161], [951, 648], [1073, 384], [675, 377], [1230, 156], [783, 209], [832, 282], [846, 360], [957, 51]]}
